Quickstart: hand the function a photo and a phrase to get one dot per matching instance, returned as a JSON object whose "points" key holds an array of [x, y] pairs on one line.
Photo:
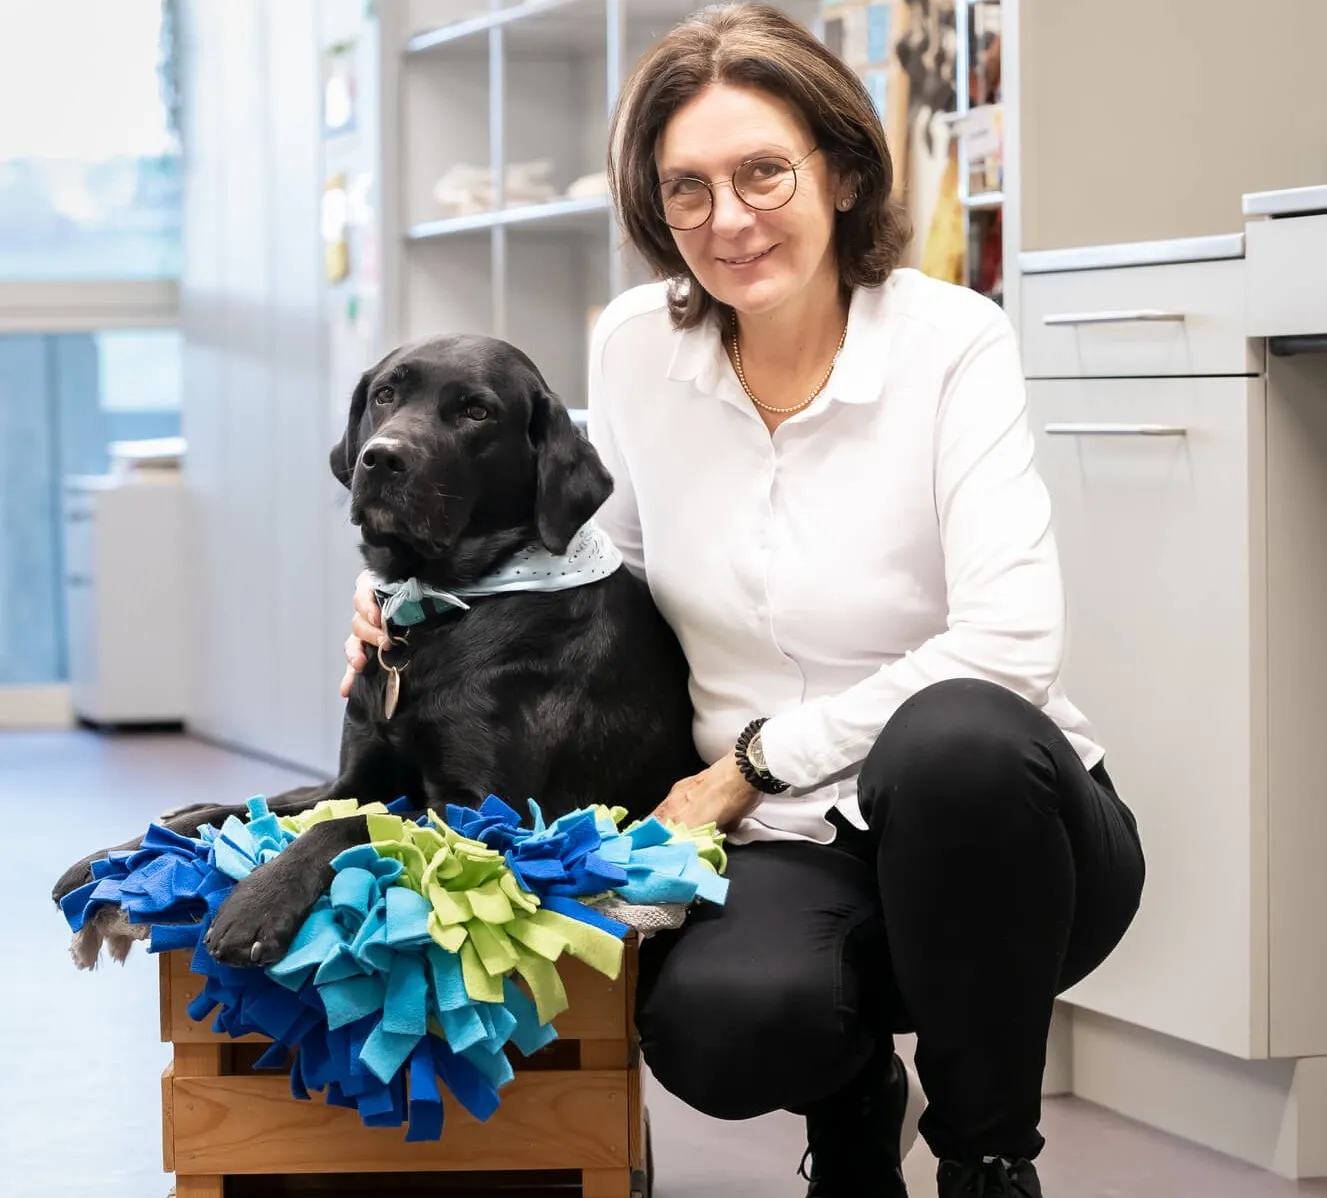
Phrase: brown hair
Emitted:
{"points": [[754, 45]]}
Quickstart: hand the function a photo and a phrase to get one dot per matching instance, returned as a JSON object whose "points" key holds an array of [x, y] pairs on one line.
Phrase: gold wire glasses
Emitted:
{"points": [[763, 183]]}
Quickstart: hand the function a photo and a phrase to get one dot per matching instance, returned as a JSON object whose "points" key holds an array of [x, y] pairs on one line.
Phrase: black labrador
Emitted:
{"points": [[457, 456]]}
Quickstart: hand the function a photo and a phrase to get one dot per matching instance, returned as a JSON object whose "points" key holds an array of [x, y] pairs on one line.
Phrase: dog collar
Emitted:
{"points": [[590, 557]]}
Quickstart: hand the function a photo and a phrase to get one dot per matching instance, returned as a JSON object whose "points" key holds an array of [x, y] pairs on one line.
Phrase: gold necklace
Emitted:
{"points": [[741, 374]]}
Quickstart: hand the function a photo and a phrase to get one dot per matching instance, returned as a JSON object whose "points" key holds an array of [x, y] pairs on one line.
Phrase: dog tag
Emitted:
{"points": [[392, 694]]}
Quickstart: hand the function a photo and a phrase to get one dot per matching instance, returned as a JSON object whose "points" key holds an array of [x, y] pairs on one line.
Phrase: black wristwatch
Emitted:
{"points": [[751, 760]]}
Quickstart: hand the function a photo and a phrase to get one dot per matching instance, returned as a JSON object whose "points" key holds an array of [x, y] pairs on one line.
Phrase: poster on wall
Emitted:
{"points": [[339, 90], [905, 52]]}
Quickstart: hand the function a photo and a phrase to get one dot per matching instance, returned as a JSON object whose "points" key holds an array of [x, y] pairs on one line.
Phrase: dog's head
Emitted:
{"points": [[460, 437]]}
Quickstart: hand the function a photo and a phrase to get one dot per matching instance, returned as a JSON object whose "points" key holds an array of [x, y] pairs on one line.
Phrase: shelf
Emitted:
{"points": [[545, 28], [459, 31], [579, 216], [986, 201]]}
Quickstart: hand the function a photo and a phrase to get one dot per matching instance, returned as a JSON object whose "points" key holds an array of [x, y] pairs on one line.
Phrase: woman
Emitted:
{"points": [[824, 470]]}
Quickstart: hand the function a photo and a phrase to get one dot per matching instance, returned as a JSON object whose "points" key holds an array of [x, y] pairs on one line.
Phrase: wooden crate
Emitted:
{"points": [[574, 1109]]}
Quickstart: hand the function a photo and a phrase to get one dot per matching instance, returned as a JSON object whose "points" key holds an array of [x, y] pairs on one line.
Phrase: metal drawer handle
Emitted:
{"points": [[1116, 430], [1126, 317]]}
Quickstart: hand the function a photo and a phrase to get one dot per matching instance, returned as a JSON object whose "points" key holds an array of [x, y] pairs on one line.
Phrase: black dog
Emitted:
{"points": [[457, 456]]}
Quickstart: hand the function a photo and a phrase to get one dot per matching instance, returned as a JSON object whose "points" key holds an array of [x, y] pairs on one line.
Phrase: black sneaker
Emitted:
{"points": [[857, 1140], [989, 1179]]}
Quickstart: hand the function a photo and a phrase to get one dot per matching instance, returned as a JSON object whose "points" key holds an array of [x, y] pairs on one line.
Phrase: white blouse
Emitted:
{"points": [[892, 534]]}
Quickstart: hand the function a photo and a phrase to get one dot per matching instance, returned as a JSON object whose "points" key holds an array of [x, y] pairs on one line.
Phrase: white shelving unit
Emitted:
{"points": [[492, 88], [982, 197]]}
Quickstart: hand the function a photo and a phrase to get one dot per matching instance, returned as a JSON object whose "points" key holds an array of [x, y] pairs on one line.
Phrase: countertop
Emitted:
{"points": [[1291, 201], [1140, 253]]}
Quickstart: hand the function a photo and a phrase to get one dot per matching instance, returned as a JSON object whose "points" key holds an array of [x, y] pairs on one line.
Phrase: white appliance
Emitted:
{"points": [[127, 596]]}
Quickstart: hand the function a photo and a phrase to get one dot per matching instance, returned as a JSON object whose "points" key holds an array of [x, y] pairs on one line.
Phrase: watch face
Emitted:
{"points": [[755, 754]]}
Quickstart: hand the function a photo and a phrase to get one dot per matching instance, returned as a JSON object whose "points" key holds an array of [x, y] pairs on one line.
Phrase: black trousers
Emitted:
{"points": [[997, 872]]}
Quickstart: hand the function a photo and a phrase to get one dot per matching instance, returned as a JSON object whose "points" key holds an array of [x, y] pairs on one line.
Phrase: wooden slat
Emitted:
{"points": [[547, 1120], [200, 1187], [180, 987], [604, 1054], [598, 1005], [636, 1117], [199, 1063], [201, 1060], [598, 1009], [166, 1007], [168, 1118], [606, 1183], [635, 1093]]}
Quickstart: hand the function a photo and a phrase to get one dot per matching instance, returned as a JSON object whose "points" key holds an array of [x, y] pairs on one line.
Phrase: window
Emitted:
{"points": [[91, 185], [90, 170]]}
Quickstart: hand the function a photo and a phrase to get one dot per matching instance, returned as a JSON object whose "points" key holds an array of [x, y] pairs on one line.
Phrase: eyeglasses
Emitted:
{"points": [[764, 184]]}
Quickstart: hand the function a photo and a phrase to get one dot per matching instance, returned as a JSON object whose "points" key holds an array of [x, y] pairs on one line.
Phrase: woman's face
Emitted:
{"points": [[751, 259]]}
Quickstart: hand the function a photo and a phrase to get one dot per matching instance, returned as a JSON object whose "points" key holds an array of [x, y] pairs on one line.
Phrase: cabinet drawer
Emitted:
{"points": [[1157, 487], [1286, 297], [1137, 321]]}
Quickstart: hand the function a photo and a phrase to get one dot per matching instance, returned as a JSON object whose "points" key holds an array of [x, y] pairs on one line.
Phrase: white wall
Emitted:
{"points": [[273, 562]]}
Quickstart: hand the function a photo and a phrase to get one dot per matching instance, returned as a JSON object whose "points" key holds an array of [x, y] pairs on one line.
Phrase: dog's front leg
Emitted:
{"points": [[259, 919], [186, 823]]}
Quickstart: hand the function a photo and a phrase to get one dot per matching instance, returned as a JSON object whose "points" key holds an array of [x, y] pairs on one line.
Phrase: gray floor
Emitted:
{"points": [[79, 1058]]}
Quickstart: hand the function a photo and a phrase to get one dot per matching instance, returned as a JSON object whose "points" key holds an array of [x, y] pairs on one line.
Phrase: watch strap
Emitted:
{"points": [[762, 780]]}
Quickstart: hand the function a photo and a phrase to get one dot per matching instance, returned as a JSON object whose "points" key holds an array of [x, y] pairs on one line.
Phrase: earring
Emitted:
{"points": [[846, 202]]}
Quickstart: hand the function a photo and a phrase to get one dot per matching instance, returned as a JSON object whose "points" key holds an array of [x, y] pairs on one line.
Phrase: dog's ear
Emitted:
{"points": [[571, 483], [346, 451]]}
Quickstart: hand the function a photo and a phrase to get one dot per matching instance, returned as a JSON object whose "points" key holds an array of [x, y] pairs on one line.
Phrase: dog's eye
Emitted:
{"points": [[384, 395], [476, 411]]}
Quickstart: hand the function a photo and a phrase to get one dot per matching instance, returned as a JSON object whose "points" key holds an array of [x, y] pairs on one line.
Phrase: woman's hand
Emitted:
{"points": [[718, 795], [365, 628]]}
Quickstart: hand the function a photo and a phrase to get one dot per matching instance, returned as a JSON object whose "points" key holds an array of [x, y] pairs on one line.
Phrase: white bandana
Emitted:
{"points": [[590, 557]]}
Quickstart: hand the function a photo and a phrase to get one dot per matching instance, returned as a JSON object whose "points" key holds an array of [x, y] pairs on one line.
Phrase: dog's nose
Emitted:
{"points": [[383, 456]]}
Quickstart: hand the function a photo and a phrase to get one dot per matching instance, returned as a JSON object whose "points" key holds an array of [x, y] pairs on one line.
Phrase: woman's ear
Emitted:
{"points": [[571, 482], [844, 186]]}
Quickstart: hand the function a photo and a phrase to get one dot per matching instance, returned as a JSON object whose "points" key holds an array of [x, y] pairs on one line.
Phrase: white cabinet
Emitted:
{"points": [[1189, 512], [128, 601], [1286, 296], [1137, 321], [1158, 496]]}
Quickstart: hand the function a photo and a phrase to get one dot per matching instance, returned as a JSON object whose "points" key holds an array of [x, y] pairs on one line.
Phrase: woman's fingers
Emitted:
{"points": [[366, 601], [365, 628], [369, 634]]}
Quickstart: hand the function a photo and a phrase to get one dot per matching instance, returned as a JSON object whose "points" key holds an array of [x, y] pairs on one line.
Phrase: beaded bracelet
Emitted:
{"points": [[762, 781]]}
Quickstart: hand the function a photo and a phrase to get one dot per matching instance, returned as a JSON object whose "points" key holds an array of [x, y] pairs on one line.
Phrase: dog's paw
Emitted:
{"points": [[256, 924], [72, 878]]}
